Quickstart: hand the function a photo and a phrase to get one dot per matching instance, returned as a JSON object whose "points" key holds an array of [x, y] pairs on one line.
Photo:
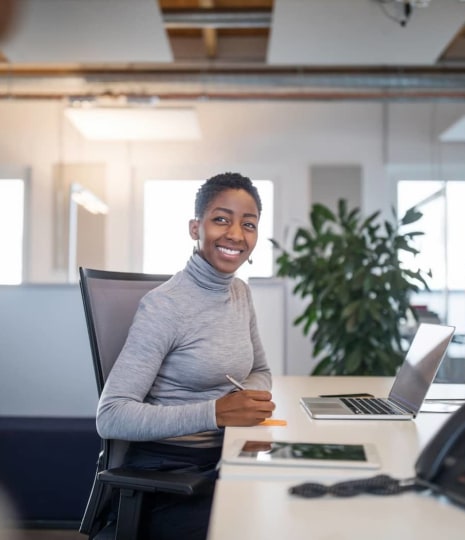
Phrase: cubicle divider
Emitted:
{"points": [[48, 396], [47, 467]]}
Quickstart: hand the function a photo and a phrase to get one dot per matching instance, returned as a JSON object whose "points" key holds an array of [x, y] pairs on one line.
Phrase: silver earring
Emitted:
{"points": [[249, 260]]}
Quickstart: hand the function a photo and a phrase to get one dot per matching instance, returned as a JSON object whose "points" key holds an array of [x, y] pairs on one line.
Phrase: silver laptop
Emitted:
{"points": [[410, 387]]}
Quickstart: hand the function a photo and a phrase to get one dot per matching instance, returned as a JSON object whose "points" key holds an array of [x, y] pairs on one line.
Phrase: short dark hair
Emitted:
{"points": [[219, 183]]}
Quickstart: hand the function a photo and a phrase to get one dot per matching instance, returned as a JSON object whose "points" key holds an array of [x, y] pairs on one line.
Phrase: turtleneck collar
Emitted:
{"points": [[207, 277]]}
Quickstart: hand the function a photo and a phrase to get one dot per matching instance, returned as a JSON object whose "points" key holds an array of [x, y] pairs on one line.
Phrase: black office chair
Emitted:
{"points": [[110, 301]]}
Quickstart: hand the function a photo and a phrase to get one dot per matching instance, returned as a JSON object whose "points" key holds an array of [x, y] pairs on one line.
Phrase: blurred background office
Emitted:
{"points": [[112, 112]]}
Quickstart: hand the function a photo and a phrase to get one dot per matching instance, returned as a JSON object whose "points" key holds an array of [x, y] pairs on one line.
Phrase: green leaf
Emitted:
{"points": [[320, 215], [274, 243], [321, 367], [411, 216]]}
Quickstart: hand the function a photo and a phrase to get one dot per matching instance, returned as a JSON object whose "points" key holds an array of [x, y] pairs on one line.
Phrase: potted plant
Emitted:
{"points": [[357, 288]]}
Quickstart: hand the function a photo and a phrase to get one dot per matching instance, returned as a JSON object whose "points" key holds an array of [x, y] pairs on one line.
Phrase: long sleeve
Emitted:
{"points": [[136, 403]]}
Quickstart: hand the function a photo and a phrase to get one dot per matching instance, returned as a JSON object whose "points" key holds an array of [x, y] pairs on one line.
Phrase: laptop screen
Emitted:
{"points": [[421, 365]]}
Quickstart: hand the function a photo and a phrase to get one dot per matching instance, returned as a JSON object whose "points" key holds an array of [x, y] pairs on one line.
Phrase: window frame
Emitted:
{"points": [[440, 299]]}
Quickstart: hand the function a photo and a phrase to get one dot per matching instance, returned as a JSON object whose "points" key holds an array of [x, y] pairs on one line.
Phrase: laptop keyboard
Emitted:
{"points": [[369, 406]]}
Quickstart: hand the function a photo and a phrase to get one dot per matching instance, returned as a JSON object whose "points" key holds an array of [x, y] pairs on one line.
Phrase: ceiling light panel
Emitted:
{"points": [[136, 124]]}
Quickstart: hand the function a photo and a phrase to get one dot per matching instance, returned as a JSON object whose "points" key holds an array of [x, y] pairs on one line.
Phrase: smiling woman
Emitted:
{"points": [[167, 392]]}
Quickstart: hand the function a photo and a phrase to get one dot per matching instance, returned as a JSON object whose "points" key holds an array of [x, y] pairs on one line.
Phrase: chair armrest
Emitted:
{"points": [[151, 481]]}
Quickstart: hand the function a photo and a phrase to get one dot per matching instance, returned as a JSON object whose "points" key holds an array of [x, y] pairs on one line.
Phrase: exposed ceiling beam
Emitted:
{"points": [[190, 83], [210, 37]]}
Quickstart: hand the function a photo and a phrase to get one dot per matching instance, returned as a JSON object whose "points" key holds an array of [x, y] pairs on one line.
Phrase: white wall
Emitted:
{"points": [[269, 298], [275, 140]]}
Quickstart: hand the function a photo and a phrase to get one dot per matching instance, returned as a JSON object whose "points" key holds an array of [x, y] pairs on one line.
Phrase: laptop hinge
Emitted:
{"points": [[401, 406]]}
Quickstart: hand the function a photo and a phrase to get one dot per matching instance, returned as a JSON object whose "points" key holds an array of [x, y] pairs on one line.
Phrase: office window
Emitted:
{"points": [[11, 230], [441, 247], [168, 206]]}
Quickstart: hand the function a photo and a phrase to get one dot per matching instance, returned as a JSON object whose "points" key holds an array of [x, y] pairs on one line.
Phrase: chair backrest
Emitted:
{"points": [[110, 302]]}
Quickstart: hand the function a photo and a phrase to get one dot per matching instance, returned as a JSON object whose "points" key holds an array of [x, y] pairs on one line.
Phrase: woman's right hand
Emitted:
{"points": [[244, 408]]}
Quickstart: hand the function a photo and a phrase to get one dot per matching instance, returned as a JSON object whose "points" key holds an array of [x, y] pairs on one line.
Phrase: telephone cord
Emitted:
{"points": [[377, 485]]}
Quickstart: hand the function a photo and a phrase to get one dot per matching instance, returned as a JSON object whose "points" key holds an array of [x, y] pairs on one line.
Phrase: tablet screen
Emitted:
{"points": [[265, 451]]}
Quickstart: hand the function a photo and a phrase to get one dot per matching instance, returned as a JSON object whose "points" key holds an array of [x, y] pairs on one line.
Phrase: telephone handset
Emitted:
{"points": [[441, 465]]}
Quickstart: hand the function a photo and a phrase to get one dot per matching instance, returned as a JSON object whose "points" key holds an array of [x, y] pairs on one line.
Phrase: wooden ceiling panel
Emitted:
{"points": [[217, 42]]}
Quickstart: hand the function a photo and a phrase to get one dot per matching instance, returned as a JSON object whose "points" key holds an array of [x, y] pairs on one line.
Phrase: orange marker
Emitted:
{"points": [[273, 422]]}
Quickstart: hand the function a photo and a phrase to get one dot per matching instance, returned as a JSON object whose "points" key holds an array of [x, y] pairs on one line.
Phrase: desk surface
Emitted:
{"points": [[253, 502]]}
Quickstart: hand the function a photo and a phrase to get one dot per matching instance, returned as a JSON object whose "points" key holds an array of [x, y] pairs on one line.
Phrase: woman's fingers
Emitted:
{"points": [[244, 408]]}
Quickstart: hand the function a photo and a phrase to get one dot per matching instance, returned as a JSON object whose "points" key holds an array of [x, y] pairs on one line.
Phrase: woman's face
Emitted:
{"points": [[227, 232]]}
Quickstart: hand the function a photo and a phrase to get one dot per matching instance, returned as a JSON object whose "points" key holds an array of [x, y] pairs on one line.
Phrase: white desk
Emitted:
{"points": [[253, 502]]}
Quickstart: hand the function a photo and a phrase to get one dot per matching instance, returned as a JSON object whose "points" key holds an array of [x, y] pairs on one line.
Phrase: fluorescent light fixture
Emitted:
{"points": [[88, 200], [455, 133], [130, 124]]}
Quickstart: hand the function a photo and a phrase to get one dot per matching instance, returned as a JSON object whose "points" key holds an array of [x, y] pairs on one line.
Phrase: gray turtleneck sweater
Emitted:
{"points": [[186, 335]]}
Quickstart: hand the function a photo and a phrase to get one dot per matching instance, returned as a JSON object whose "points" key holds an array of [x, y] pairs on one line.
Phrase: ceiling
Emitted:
{"points": [[233, 49]]}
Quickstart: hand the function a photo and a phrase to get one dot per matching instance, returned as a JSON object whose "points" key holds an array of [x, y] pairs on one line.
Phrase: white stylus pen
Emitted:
{"points": [[235, 383]]}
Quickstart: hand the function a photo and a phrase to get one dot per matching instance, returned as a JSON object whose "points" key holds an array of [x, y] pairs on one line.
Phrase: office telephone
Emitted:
{"points": [[441, 465]]}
